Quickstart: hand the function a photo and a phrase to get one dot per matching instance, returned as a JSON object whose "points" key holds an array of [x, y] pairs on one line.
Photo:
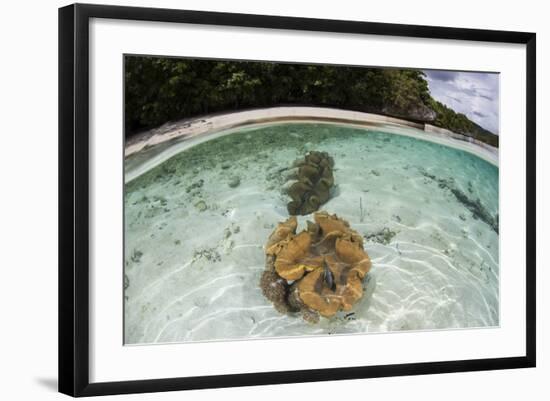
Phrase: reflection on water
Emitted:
{"points": [[195, 227]]}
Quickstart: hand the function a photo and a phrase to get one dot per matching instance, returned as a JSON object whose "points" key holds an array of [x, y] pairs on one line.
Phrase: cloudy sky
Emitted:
{"points": [[475, 94]]}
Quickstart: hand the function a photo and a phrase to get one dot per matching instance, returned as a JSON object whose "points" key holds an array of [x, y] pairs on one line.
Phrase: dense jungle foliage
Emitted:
{"points": [[458, 122], [158, 90]]}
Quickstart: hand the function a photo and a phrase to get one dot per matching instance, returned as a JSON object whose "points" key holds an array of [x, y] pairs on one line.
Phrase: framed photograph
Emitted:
{"points": [[251, 199]]}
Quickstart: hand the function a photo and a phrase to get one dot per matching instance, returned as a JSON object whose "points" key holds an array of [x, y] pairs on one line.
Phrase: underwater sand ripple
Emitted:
{"points": [[200, 264]]}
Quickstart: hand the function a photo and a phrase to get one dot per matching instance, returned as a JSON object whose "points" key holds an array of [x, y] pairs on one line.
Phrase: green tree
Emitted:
{"points": [[158, 90]]}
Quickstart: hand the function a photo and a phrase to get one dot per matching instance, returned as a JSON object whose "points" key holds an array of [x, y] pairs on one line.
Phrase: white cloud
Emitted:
{"points": [[475, 94]]}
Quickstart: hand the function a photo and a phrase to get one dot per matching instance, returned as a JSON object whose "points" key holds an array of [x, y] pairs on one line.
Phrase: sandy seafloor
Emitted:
{"points": [[194, 243]]}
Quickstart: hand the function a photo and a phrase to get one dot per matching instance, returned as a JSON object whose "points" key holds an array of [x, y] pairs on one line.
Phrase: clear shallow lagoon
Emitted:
{"points": [[195, 226]]}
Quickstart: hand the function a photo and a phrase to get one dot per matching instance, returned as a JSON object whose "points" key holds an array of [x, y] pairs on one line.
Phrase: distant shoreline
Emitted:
{"points": [[202, 127]]}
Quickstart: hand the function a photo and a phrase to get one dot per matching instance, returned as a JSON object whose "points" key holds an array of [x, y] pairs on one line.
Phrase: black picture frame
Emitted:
{"points": [[74, 198]]}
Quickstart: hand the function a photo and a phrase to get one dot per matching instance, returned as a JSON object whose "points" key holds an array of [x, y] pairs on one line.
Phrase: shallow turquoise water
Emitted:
{"points": [[196, 224]]}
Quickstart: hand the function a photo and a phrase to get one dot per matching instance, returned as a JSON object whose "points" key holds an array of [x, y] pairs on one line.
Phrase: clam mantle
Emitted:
{"points": [[314, 180], [318, 271]]}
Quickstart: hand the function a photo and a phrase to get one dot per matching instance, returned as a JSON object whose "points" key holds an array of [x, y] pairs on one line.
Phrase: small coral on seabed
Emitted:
{"points": [[313, 180], [318, 271]]}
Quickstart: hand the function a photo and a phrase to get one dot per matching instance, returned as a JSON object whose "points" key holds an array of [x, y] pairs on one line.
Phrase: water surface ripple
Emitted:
{"points": [[195, 226]]}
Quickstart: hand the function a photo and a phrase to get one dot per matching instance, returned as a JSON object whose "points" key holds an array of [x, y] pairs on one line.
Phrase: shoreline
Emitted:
{"points": [[150, 148]]}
